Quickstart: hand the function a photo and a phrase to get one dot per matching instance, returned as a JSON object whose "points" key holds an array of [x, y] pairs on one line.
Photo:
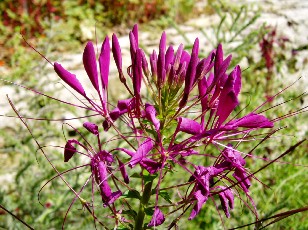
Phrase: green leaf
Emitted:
{"points": [[149, 177], [122, 228], [149, 211], [166, 196], [136, 175], [130, 212], [133, 194]]}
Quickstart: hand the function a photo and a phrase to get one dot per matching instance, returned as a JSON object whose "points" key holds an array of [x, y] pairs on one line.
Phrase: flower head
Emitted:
{"points": [[190, 106]]}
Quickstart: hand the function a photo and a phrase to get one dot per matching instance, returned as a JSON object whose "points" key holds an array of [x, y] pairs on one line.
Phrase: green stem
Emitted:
{"points": [[143, 203]]}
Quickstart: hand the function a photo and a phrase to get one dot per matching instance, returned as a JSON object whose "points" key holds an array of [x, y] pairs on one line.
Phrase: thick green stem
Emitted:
{"points": [[143, 203]]}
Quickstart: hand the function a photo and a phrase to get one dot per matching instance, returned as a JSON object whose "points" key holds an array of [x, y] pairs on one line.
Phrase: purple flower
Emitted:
{"points": [[151, 115], [228, 95], [226, 199], [91, 127], [157, 219], [99, 163], [161, 71], [105, 156], [241, 176], [141, 157], [201, 199], [104, 62], [123, 171], [232, 156], [102, 179], [137, 76], [69, 78], [141, 153], [220, 65], [251, 120], [123, 106], [69, 150], [236, 161], [203, 177], [191, 72], [89, 62], [189, 108], [188, 126]]}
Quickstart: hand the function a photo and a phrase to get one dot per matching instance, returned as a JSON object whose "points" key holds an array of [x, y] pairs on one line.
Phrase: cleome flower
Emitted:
{"points": [[100, 164], [161, 133]]}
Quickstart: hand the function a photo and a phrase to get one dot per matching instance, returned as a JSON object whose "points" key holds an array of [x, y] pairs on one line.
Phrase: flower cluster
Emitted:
{"points": [[187, 111]]}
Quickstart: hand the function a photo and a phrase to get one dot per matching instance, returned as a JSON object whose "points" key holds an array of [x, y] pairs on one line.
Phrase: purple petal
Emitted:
{"points": [[129, 152], [240, 175], [123, 171], [185, 57], [92, 128], [115, 114], [151, 115], [227, 200], [224, 66], [69, 78], [201, 70], [238, 80], [108, 196], [177, 57], [69, 150], [89, 62], [226, 106], [142, 151], [123, 107], [137, 74], [144, 61], [103, 183], [116, 51], [104, 62], [201, 199], [218, 59], [106, 125], [133, 46], [171, 76], [157, 219], [177, 149], [114, 196], [150, 165], [105, 156], [251, 120], [188, 126], [232, 82], [202, 86], [191, 72], [234, 157], [220, 66], [161, 72], [126, 104], [169, 56], [153, 63], [135, 32], [210, 79], [191, 69], [181, 74]]}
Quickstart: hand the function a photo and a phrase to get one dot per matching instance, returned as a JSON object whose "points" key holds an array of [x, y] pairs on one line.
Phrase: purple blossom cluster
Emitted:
{"points": [[188, 111]]}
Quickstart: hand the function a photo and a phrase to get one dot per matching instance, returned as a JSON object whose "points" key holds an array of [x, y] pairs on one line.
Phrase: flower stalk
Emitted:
{"points": [[142, 205]]}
